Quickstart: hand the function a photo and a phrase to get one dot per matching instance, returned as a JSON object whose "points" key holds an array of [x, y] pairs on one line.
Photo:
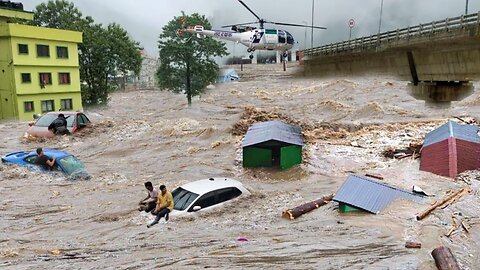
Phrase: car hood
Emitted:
{"points": [[43, 132], [80, 175]]}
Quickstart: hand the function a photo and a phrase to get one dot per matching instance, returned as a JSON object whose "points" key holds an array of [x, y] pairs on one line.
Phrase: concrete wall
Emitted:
{"points": [[449, 56]]}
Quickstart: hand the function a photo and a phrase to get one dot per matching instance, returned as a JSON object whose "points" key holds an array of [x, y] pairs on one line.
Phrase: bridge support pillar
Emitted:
{"points": [[440, 94], [254, 59]]}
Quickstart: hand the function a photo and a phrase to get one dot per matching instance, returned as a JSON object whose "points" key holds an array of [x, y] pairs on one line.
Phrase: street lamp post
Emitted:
{"points": [[380, 21], [313, 13], [305, 40], [466, 7]]}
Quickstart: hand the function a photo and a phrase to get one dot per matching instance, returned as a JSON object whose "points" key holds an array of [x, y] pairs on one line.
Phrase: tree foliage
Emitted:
{"points": [[186, 61], [105, 51]]}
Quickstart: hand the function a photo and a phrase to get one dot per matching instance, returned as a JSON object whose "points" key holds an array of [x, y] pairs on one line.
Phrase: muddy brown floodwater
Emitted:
{"points": [[50, 222]]}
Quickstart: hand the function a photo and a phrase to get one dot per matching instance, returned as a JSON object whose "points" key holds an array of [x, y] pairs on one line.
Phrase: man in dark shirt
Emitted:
{"points": [[43, 160], [59, 125]]}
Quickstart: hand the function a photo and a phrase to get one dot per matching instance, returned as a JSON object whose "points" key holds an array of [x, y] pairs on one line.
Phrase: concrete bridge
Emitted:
{"points": [[438, 58]]}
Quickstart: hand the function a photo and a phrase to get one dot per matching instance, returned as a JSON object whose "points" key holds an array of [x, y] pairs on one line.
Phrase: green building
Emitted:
{"points": [[272, 143], [39, 68]]}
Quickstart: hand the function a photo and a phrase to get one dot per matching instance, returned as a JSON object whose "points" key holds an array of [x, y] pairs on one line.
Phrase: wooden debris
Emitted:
{"points": [[376, 176], [295, 212], [444, 259], [55, 252], [413, 244], [452, 197], [465, 226], [413, 150]]}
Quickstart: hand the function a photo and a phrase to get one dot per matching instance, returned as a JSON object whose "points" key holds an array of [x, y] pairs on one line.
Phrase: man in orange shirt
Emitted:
{"points": [[164, 205]]}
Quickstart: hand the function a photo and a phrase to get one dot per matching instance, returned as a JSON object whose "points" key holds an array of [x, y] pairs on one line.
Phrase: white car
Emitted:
{"points": [[207, 193]]}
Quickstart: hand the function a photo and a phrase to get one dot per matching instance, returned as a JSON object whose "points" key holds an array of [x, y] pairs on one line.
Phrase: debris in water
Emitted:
{"points": [[413, 244], [242, 239], [307, 207], [55, 252]]}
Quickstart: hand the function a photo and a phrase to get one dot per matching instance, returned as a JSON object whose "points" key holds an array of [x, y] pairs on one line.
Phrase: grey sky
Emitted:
{"points": [[144, 19]]}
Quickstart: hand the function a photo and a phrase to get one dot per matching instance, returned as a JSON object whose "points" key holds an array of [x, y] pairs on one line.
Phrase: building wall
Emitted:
{"points": [[14, 92], [7, 98], [436, 158], [37, 103]]}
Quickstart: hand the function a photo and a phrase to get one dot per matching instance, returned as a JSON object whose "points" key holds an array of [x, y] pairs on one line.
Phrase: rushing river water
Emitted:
{"points": [[49, 222]]}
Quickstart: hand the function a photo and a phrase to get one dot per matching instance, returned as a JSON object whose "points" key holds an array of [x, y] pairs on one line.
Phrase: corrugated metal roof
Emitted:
{"points": [[452, 129], [369, 195], [273, 130]]}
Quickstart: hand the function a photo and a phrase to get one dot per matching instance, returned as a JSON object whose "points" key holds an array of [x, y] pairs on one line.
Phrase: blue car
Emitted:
{"points": [[64, 161]]}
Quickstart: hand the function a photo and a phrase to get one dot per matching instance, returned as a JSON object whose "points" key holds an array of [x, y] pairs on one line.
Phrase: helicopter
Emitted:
{"points": [[253, 38]]}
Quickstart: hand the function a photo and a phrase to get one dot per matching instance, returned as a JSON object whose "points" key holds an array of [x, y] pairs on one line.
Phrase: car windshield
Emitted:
{"points": [[47, 119], [182, 198], [71, 165]]}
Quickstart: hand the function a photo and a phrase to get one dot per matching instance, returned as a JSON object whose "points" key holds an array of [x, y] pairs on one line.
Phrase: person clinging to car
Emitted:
{"points": [[43, 160], [150, 202], [59, 125], [164, 206]]}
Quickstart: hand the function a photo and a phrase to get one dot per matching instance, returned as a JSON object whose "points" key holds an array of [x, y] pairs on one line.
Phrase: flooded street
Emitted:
{"points": [[151, 135]]}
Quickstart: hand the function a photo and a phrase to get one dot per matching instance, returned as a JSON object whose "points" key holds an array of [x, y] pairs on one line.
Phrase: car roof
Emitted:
{"points": [[52, 153], [206, 185], [64, 112]]}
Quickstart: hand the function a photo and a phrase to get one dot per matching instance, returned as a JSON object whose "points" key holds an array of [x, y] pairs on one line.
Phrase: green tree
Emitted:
{"points": [[186, 61], [105, 51]]}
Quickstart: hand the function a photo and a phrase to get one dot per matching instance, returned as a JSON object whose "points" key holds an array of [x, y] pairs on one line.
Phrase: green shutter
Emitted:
{"points": [[345, 208], [257, 157], [290, 156]]}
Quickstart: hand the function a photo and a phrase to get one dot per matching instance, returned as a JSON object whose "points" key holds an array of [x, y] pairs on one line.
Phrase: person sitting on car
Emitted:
{"points": [[43, 160], [164, 206], [59, 125], [150, 202]]}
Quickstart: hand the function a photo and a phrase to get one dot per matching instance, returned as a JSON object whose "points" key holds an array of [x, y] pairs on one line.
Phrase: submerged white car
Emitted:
{"points": [[207, 193]]}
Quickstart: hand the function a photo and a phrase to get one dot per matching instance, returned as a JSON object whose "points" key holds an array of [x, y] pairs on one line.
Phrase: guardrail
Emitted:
{"points": [[374, 41]]}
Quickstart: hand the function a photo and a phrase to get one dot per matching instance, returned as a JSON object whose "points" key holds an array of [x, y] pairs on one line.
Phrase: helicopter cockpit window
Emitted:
{"points": [[281, 36], [289, 38], [271, 31]]}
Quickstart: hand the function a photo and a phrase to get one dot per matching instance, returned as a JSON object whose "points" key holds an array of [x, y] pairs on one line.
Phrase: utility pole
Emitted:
{"points": [[313, 13], [466, 7]]}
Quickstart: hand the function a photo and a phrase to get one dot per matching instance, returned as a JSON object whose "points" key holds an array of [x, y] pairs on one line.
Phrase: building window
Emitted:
{"points": [[62, 52], [43, 51], [22, 49], [28, 105], [66, 104], [64, 78], [47, 106], [45, 78], [26, 78]]}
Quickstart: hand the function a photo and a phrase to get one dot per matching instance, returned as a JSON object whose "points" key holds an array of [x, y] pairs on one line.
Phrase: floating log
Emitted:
{"points": [[413, 244], [307, 207], [376, 176], [445, 199], [444, 259]]}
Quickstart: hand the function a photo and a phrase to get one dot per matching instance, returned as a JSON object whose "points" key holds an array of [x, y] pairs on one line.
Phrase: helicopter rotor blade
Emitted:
{"points": [[251, 11], [298, 25], [238, 24]]}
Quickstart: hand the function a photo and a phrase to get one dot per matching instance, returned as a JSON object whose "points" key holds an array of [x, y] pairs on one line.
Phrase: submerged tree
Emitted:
{"points": [[186, 61], [104, 51]]}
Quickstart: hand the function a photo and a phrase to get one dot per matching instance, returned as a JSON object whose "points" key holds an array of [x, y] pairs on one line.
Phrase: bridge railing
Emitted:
{"points": [[374, 41]]}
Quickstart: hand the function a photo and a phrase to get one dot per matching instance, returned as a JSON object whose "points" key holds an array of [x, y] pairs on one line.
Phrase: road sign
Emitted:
{"points": [[351, 23]]}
